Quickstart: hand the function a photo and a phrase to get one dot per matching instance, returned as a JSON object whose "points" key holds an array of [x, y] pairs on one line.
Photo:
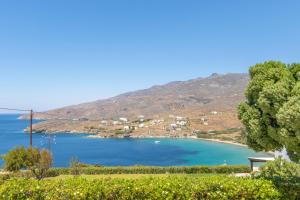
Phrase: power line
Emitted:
{"points": [[53, 116], [15, 109]]}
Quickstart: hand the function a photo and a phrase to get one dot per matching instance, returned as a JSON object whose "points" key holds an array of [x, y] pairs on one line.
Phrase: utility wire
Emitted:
{"points": [[15, 109], [55, 117]]}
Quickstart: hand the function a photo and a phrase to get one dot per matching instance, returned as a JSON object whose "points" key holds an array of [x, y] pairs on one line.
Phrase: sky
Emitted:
{"points": [[55, 53]]}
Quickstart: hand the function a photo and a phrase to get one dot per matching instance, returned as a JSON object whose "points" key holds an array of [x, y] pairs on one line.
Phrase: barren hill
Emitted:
{"points": [[216, 91], [203, 107]]}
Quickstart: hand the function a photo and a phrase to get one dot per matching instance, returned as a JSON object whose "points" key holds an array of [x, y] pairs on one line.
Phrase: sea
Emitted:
{"points": [[122, 152]]}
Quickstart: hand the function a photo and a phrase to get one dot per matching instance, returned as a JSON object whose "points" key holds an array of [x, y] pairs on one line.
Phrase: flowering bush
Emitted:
{"points": [[151, 170], [173, 187]]}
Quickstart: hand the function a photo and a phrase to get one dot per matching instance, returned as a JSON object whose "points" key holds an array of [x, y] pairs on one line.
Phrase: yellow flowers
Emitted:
{"points": [[171, 187]]}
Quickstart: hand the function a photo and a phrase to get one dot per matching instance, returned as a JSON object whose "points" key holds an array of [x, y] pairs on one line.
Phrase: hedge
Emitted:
{"points": [[172, 187], [152, 170]]}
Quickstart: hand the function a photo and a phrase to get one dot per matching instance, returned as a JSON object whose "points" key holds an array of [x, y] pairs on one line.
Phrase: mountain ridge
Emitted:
{"points": [[157, 99], [197, 108]]}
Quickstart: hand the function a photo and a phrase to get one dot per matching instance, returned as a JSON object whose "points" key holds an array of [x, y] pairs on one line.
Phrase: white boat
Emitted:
{"points": [[157, 142]]}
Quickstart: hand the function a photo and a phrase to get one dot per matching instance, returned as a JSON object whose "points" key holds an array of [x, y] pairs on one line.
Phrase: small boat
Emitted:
{"points": [[157, 142]]}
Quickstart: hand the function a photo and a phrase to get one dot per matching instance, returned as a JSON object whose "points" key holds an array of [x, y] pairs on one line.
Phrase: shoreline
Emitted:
{"points": [[190, 137], [95, 136], [159, 137], [224, 142]]}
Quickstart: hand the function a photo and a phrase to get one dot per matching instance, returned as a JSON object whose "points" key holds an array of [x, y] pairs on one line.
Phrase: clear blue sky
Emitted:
{"points": [[59, 52]]}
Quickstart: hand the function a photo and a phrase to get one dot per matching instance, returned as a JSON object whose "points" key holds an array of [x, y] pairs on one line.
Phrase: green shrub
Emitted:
{"points": [[285, 176], [217, 132], [4, 177], [15, 159], [173, 187], [288, 186], [281, 168], [151, 170], [39, 162], [53, 172], [121, 132], [75, 166], [36, 160]]}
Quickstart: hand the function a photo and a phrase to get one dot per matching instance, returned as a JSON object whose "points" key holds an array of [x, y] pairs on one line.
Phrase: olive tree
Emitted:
{"points": [[271, 112], [15, 160], [33, 159]]}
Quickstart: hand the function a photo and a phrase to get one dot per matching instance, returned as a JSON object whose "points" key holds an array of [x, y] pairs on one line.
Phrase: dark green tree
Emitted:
{"points": [[271, 112]]}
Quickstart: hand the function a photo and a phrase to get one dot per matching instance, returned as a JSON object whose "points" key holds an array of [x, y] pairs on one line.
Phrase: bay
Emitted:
{"points": [[122, 152]]}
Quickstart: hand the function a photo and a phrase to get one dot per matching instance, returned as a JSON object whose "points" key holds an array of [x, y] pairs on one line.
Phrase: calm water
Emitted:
{"points": [[123, 152]]}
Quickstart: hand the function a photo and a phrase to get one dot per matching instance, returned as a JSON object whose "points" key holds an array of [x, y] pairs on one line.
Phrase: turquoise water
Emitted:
{"points": [[123, 152]]}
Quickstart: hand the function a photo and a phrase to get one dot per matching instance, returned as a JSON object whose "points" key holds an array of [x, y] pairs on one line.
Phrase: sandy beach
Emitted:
{"points": [[189, 137]]}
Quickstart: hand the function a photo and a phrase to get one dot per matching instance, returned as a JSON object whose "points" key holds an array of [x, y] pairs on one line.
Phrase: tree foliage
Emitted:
{"points": [[15, 159], [33, 159], [284, 175], [39, 162], [271, 112]]}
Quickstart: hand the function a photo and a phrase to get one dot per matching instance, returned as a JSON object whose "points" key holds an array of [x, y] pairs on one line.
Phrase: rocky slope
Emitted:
{"points": [[219, 91], [208, 104]]}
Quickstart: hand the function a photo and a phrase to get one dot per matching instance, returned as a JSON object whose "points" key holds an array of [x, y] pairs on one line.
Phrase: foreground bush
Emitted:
{"points": [[150, 170], [175, 187], [279, 168], [3, 178], [285, 176], [33, 159]]}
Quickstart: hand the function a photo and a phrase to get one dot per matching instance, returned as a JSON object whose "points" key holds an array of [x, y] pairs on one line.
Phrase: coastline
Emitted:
{"points": [[95, 136], [223, 141], [159, 137], [189, 137]]}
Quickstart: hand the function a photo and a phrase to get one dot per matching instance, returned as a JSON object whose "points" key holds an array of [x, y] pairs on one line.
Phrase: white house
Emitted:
{"points": [[126, 128], [204, 119], [123, 119], [157, 121], [116, 123], [141, 118], [214, 112], [180, 118], [104, 122], [181, 123]]}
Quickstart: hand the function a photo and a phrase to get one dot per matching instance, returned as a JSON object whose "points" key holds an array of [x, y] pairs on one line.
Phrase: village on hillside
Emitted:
{"points": [[212, 124]]}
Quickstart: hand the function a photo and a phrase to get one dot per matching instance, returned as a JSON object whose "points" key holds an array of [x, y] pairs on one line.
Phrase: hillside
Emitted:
{"points": [[207, 104], [224, 91]]}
